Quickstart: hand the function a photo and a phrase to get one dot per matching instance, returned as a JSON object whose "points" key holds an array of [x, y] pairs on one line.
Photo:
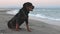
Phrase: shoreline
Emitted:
{"points": [[45, 20]]}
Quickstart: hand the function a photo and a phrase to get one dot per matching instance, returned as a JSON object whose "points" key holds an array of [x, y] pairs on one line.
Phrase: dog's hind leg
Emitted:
{"points": [[9, 25]]}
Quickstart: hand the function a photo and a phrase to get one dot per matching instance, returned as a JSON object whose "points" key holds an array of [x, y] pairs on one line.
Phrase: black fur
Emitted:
{"points": [[20, 17]]}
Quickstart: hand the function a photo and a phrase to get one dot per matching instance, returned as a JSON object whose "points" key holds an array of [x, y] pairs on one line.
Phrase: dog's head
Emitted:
{"points": [[28, 6]]}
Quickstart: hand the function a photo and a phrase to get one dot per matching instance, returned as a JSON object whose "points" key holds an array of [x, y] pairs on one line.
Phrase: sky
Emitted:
{"points": [[36, 3]]}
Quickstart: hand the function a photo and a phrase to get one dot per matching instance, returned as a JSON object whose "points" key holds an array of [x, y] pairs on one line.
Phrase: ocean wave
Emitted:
{"points": [[43, 16]]}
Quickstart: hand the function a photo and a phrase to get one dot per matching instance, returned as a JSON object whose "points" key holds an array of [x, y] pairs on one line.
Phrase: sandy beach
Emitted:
{"points": [[37, 26]]}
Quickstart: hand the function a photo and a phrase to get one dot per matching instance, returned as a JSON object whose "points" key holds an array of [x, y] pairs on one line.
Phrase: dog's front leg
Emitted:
{"points": [[28, 28], [27, 24], [17, 27]]}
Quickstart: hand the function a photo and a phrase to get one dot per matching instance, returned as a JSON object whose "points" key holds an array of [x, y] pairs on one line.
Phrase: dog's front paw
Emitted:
{"points": [[29, 30], [16, 29]]}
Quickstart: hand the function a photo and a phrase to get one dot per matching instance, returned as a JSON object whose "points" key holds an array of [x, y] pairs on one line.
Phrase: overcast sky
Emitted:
{"points": [[36, 3]]}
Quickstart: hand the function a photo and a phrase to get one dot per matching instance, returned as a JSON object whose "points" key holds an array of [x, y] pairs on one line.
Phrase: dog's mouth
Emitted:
{"points": [[31, 8]]}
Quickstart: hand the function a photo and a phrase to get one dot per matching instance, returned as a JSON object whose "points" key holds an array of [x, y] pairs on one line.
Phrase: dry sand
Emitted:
{"points": [[37, 27]]}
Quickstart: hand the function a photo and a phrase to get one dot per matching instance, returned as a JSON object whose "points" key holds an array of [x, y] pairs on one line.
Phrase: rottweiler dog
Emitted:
{"points": [[21, 17]]}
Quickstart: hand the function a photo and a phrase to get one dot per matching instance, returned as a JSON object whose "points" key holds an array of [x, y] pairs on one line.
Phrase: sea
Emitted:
{"points": [[48, 13]]}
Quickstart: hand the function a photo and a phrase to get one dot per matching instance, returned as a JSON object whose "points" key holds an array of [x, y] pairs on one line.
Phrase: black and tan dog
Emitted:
{"points": [[20, 17]]}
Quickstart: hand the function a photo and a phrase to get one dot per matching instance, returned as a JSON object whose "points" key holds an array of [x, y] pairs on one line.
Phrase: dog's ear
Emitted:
{"points": [[27, 4]]}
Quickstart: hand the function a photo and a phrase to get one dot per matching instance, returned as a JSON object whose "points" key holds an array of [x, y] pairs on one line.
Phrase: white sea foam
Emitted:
{"points": [[42, 16], [13, 12]]}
